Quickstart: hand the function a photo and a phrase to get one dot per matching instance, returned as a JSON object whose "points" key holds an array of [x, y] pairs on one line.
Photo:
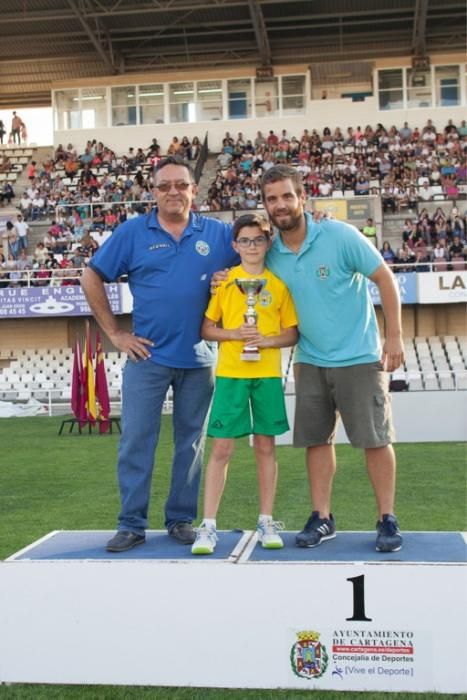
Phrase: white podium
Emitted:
{"points": [[340, 616]]}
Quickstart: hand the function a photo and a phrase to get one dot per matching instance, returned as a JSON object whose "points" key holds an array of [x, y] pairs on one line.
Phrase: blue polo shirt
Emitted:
{"points": [[169, 280], [327, 280]]}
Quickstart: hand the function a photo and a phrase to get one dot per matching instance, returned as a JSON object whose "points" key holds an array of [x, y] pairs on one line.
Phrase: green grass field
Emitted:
{"points": [[52, 483]]}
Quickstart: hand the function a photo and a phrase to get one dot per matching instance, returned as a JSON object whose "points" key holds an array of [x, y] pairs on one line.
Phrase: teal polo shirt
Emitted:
{"points": [[327, 280], [170, 282]]}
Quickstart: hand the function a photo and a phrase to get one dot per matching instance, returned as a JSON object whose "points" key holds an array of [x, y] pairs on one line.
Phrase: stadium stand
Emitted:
{"points": [[105, 189], [432, 364], [412, 170]]}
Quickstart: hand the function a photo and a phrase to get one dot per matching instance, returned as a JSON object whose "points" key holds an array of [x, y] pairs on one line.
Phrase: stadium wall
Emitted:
{"points": [[419, 416], [25, 333], [319, 113], [334, 113]]}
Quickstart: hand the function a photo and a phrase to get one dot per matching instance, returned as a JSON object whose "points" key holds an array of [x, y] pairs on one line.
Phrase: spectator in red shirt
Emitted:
{"points": [[32, 170], [272, 139], [110, 220]]}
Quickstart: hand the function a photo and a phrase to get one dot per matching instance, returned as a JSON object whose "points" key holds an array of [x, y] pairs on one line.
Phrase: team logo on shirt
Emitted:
{"points": [[264, 298], [202, 248], [322, 272]]}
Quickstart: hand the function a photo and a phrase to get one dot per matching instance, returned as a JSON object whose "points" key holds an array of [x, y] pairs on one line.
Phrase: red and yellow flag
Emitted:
{"points": [[102, 391], [88, 376], [77, 403]]}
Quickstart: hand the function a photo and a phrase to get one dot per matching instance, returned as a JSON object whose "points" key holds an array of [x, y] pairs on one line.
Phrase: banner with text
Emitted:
{"points": [[383, 626], [442, 287], [30, 302], [407, 283]]}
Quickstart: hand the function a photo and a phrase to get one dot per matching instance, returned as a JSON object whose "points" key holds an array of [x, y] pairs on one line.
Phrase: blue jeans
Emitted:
{"points": [[145, 386], [14, 248]]}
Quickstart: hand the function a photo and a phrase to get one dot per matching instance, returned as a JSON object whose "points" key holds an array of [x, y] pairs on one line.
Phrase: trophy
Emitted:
{"points": [[251, 287]]}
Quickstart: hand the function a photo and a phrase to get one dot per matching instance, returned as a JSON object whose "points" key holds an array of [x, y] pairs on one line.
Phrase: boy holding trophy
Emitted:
{"points": [[258, 318]]}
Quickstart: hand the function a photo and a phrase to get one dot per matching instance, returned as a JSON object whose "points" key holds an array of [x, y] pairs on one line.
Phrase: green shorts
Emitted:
{"points": [[245, 406]]}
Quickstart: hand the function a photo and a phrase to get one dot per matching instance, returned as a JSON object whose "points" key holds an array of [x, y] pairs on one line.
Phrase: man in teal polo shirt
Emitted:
{"points": [[340, 364], [169, 257]]}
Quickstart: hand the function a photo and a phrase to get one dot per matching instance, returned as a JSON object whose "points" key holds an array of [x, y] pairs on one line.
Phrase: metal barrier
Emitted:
{"points": [[29, 279], [57, 406], [142, 206], [54, 405]]}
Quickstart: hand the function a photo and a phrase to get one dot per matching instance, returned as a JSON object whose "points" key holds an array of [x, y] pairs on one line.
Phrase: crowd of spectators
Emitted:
{"points": [[96, 176], [405, 166], [438, 238], [70, 241], [86, 196], [58, 260]]}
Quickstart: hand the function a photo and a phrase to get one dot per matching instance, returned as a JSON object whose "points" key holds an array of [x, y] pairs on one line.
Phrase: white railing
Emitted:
{"points": [[103, 206], [29, 279], [57, 406], [428, 266], [52, 402]]}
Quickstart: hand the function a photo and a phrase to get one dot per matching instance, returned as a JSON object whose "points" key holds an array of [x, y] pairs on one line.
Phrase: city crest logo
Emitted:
{"points": [[265, 298], [322, 272], [308, 657], [202, 247]]}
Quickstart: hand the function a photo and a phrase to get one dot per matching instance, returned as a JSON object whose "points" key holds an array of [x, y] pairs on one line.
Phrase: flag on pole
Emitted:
{"points": [[88, 379], [76, 386], [102, 391]]}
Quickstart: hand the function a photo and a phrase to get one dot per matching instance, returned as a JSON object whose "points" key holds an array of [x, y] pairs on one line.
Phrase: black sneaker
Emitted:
{"points": [[123, 540], [183, 533], [316, 531], [389, 538]]}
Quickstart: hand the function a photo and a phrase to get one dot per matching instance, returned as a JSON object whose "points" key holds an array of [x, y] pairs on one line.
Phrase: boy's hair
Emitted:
{"points": [[251, 220], [283, 172], [175, 160]]}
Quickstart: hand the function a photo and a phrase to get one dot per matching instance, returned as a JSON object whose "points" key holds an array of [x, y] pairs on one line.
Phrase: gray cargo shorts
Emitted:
{"points": [[358, 393]]}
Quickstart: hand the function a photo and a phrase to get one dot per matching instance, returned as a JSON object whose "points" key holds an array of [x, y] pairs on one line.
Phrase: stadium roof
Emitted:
{"points": [[47, 40]]}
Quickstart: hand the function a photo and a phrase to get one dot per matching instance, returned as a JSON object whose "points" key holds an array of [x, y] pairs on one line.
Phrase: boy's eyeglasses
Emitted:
{"points": [[257, 242], [180, 186]]}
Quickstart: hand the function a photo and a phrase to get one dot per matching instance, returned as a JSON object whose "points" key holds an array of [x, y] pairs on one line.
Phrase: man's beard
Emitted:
{"points": [[288, 222]]}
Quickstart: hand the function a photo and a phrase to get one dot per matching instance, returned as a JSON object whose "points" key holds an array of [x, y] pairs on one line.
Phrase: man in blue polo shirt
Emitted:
{"points": [[340, 365], [169, 256]]}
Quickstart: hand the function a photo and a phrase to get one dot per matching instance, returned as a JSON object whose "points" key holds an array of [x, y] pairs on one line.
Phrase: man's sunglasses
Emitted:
{"points": [[180, 186]]}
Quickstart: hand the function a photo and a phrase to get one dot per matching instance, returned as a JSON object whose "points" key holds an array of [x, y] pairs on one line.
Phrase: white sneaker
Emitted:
{"points": [[206, 539], [268, 534]]}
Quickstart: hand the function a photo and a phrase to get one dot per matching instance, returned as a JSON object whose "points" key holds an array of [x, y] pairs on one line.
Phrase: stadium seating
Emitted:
{"points": [[434, 363], [431, 364]]}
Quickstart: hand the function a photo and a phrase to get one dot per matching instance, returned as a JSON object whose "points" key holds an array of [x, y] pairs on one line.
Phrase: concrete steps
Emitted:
{"points": [[392, 228], [37, 232], [207, 178], [22, 183]]}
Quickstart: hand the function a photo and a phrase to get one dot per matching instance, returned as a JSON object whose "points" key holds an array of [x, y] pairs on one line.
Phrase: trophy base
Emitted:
{"points": [[250, 355]]}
